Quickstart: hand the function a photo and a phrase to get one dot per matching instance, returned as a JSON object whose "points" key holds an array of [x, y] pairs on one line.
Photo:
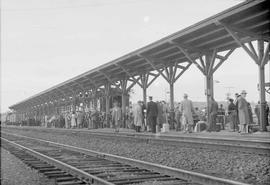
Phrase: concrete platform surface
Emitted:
{"points": [[223, 134]]}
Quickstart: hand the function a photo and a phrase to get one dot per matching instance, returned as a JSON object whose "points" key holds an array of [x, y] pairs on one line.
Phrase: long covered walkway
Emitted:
{"points": [[207, 45]]}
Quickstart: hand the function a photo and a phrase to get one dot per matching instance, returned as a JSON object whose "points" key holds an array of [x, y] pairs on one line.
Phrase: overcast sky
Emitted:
{"points": [[45, 42]]}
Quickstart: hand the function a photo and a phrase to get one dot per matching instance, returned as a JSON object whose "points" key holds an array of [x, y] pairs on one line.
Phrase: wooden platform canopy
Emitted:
{"points": [[206, 44]]}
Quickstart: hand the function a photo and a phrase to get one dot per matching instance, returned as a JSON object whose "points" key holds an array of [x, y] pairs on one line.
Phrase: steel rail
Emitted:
{"points": [[193, 177], [234, 145], [82, 175]]}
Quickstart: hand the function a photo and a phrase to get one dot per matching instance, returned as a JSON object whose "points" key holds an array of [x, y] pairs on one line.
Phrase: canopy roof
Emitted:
{"points": [[249, 19]]}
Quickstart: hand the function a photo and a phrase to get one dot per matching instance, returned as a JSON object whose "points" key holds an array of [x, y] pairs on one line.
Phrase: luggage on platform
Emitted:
{"points": [[218, 127], [200, 126], [165, 127]]}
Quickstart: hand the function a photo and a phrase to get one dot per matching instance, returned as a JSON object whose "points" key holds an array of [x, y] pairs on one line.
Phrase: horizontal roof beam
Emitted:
{"points": [[244, 31]]}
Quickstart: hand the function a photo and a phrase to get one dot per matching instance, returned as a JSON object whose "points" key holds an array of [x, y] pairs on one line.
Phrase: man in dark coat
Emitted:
{"points": [[152, 112], [266, 114], [213, 114], [232, 114]]}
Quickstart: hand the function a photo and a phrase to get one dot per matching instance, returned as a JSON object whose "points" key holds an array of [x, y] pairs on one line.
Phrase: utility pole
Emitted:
{"points": [[229, 90]]}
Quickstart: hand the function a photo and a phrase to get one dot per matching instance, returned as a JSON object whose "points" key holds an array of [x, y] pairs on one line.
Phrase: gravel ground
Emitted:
{"points": [[14, 172], [253, 169]]}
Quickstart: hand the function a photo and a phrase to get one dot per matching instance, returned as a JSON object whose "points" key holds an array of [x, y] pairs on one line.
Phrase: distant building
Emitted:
{"points": [[8, 117]]}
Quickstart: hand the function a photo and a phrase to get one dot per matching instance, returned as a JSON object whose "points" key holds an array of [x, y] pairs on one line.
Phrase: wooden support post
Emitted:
{"points": [[107, 102], [94, 97], [260, 58], [171, 97], [207, 67], [209, 75], [107, 110], [171, 74], [123, 85], [261, 67], [73, 103], [208, 93], [209, 90], [125, 89], [262, 98], [124, 104], [144, 82], [144, 95]]}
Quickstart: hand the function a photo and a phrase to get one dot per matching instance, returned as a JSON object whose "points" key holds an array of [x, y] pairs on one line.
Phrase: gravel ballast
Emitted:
{"points": [[248, 168], [14, 172]]}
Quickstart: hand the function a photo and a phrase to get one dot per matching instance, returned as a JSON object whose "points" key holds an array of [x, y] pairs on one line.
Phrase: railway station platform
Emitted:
{"points": [[223, 134]]}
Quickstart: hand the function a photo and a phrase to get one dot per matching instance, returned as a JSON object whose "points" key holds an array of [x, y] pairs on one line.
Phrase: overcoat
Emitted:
{"points": [[152, 109], [243, 111], [138, 116], [116, 116], [160, 117], [66, 120], [187, 110], [73, 120]]}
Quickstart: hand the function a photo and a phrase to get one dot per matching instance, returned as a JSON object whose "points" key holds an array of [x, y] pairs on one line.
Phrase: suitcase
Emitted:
{"points": [[218, 127]]}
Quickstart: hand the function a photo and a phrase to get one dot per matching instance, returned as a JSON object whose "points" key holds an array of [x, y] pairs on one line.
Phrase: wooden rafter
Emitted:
{"points": [[239, 42], [260, 58], [110, 80], [265, 57], [212, 62], [80, 85], [152, 80], [91, 81], [62, 92], [145, 79], [129, 74], [187, 55], [223, 60], [246, 32], [182, 72], [150, 61], [134, 82], [170, 71], [107, 89], [252, 49]]}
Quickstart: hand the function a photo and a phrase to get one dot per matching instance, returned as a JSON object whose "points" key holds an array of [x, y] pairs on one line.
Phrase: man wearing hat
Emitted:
{"points": [[152, 112], [243, 112], [187, 113], [232, 114]]}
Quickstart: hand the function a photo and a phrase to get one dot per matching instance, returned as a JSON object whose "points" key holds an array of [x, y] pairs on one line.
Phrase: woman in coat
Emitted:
{"points": [[187, 113], [232, 115], [138, 116], [116, 116], [213, 109], [79, 118], [178, 118], [67, 119], [73, 120], [243, 112], [250, 114]]}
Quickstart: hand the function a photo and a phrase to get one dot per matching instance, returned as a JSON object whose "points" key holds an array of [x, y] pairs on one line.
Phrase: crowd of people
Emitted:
{"points": [[156, 115], [240, 113], [75, 119], [188, 119]]}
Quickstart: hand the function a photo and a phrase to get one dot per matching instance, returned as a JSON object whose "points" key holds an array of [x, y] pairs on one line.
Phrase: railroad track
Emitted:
{"points": [[253, 146], [73, 165]]}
